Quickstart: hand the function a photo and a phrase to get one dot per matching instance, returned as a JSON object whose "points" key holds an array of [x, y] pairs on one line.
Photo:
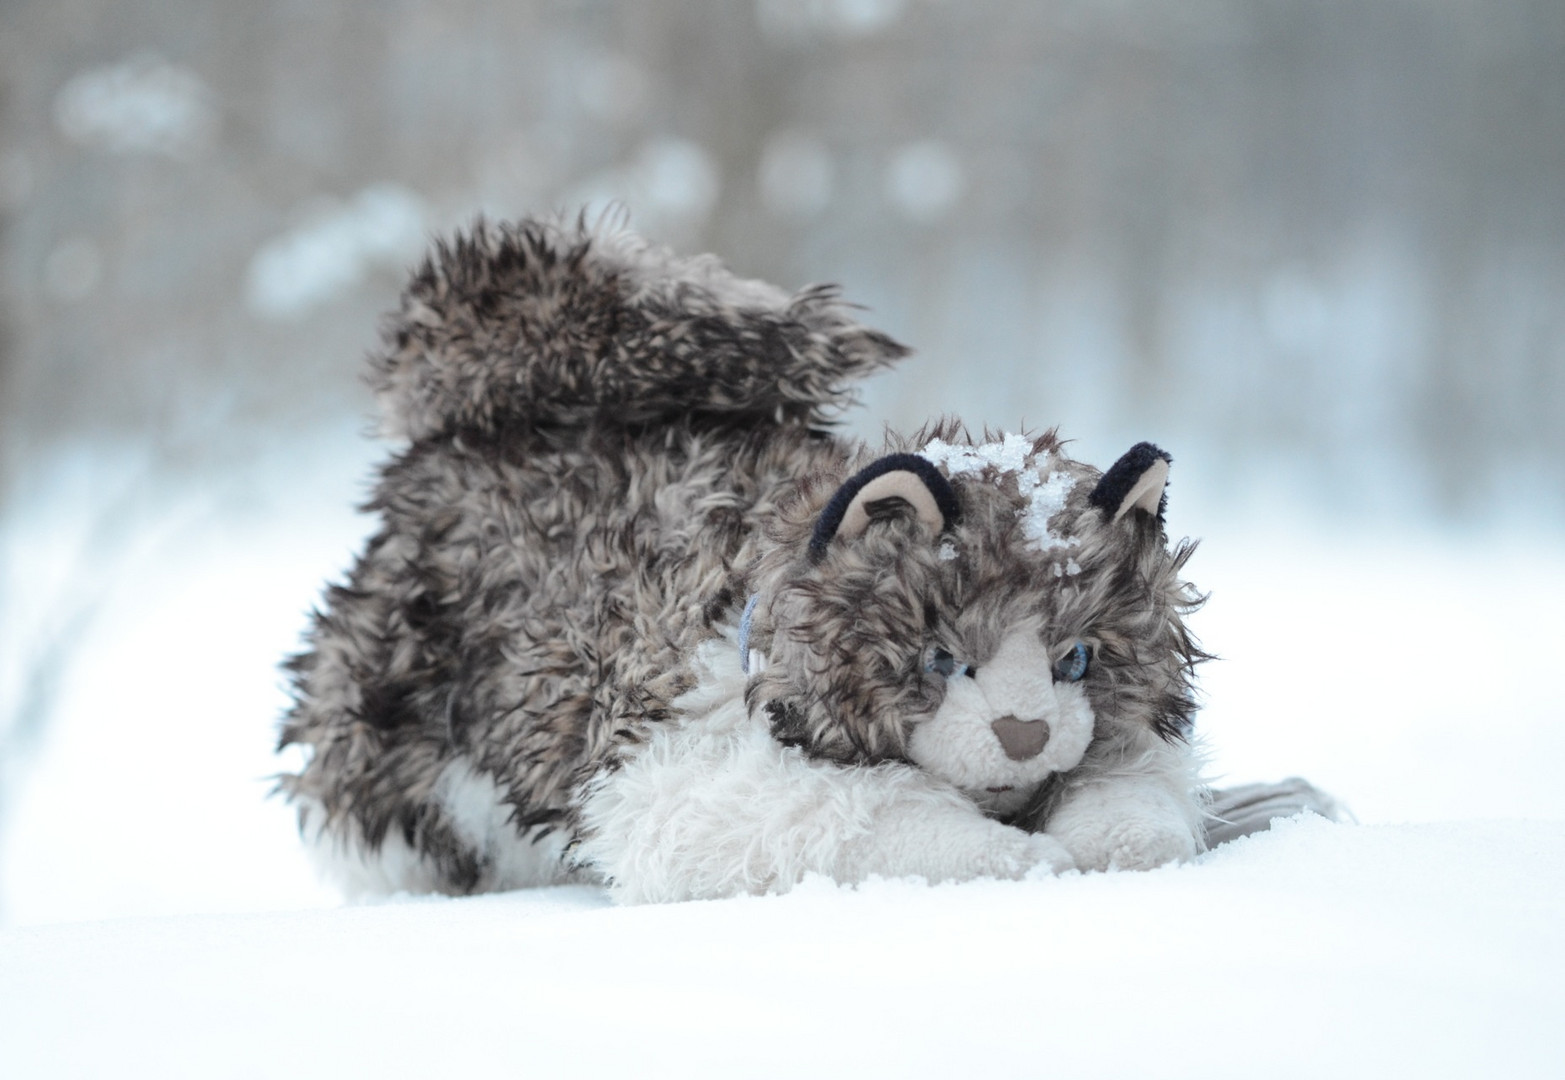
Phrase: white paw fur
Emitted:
{"points": [[1129, 822], [1140, 843]]}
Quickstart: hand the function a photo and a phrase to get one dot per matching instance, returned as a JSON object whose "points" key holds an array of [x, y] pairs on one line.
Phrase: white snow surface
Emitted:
{"points": [[160, 918], [1317, 950]]}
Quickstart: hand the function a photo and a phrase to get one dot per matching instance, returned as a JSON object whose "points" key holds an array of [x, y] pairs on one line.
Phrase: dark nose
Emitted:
{"points": [[1021, 739]]}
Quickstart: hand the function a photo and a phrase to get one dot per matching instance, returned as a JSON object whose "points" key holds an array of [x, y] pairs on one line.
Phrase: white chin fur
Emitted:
{"points": [[1004, 801], [959, 744]]}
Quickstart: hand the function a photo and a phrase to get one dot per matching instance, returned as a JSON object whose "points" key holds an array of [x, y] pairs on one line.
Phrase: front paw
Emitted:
{"points": [[950, 843], [1129, 844], [1046, 857]]}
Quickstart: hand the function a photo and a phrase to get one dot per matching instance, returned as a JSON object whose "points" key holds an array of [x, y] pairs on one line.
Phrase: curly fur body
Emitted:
{"points": [[530, 673]]}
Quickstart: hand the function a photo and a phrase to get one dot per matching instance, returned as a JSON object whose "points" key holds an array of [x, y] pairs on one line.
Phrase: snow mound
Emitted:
{"points": [[1315, 950]]}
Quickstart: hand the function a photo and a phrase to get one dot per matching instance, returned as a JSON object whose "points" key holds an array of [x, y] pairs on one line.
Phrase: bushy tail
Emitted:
{"points": [[1251, 808], [538, 324]]}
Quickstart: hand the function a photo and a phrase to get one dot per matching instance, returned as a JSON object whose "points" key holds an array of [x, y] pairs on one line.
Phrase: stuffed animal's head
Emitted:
{"points": [[983, 610]]}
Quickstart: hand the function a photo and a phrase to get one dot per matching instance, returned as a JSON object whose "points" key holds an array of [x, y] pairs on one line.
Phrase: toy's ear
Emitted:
{"points": [[1135, 482], [894, 484]]}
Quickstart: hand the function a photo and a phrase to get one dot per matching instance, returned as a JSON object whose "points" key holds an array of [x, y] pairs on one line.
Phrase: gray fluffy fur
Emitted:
{"points": [[608, 450]]}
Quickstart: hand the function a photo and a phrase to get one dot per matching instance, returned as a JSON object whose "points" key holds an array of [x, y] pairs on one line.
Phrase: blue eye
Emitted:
{"points": [[939, 662], [1072, 667]]}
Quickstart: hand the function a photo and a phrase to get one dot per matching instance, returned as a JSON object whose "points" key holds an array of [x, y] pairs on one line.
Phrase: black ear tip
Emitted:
{"points": [[1144, 454], [1124, 475]]}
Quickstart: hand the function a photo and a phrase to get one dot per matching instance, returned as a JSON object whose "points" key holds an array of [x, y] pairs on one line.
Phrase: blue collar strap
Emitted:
{"points": [[745, 664]]}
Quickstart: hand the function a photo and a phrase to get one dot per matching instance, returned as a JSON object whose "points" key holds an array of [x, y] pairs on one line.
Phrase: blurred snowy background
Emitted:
{"points": [[1315, 249]]}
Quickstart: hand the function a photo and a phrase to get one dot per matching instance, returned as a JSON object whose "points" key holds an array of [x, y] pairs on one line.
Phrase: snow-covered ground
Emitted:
{"points": [[1316, 951], [1412, 672]]}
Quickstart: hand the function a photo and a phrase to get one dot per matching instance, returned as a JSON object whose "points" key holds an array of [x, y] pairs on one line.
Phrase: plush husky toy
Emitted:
{"points": [[634, 615]]}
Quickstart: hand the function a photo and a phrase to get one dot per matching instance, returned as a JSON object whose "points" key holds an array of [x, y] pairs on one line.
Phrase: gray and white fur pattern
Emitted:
{"points": [[533, 673]]}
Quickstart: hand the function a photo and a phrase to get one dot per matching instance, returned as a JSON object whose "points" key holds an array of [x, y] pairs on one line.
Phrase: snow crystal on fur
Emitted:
{"points": [[1046, 490], [1011, 454], [1044, 501]]}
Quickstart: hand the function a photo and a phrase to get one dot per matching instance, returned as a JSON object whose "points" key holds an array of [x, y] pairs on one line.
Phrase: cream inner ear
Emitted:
{"points": [[894, 485], [1147, 492]]}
